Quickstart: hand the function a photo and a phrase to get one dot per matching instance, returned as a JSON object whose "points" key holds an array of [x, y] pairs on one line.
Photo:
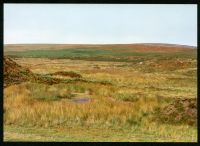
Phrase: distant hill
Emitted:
{"points": [[139, 47]]}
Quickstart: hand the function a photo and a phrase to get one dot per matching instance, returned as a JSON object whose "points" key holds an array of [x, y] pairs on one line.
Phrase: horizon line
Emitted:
{"points": [[97, 44]]}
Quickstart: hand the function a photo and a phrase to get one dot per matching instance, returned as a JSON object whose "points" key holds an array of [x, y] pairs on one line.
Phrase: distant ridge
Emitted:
{"points": [[150, 44], [136, 47], [168, 45]]}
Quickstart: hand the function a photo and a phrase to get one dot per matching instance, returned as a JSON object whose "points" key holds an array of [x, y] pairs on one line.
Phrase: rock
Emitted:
{"points": [[141, 63]]}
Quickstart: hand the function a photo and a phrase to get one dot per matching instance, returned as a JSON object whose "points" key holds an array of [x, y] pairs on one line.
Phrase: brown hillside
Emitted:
{"points": [[14, 73], [140, 47]]}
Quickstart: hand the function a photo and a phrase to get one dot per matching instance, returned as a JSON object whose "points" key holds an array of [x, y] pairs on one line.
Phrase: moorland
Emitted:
{"points": [[120, 92]]}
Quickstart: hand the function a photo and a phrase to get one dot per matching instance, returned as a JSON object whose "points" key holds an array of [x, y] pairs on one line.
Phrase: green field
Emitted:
{"points": [[100, 54], [83, 134]]}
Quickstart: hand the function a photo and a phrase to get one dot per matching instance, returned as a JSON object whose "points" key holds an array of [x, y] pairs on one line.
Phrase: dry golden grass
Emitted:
{"points": [[111, 105], [20, 109]]}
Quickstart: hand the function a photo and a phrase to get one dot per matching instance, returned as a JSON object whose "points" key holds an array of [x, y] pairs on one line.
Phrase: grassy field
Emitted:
{"points": [[103, 95], [99, 54], [87, 134]]}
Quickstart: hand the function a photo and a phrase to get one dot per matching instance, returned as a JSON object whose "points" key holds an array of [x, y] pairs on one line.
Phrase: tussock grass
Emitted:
{"points": [[123, 96], [43, 112]]}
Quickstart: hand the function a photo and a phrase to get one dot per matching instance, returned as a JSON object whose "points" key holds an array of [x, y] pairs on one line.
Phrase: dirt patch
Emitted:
{"points": [[181, 110]]}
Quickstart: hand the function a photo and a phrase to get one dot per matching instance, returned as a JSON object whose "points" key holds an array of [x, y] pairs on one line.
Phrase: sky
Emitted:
{"points": [[100, 24]]}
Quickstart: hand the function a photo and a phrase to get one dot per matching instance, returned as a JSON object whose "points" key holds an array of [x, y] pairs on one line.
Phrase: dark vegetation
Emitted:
{"points": [[14, 73], [69, 73], [179, 111]]}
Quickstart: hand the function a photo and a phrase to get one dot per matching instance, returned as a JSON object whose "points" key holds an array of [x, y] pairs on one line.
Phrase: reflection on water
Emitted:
{"points": [[81, 100]]}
